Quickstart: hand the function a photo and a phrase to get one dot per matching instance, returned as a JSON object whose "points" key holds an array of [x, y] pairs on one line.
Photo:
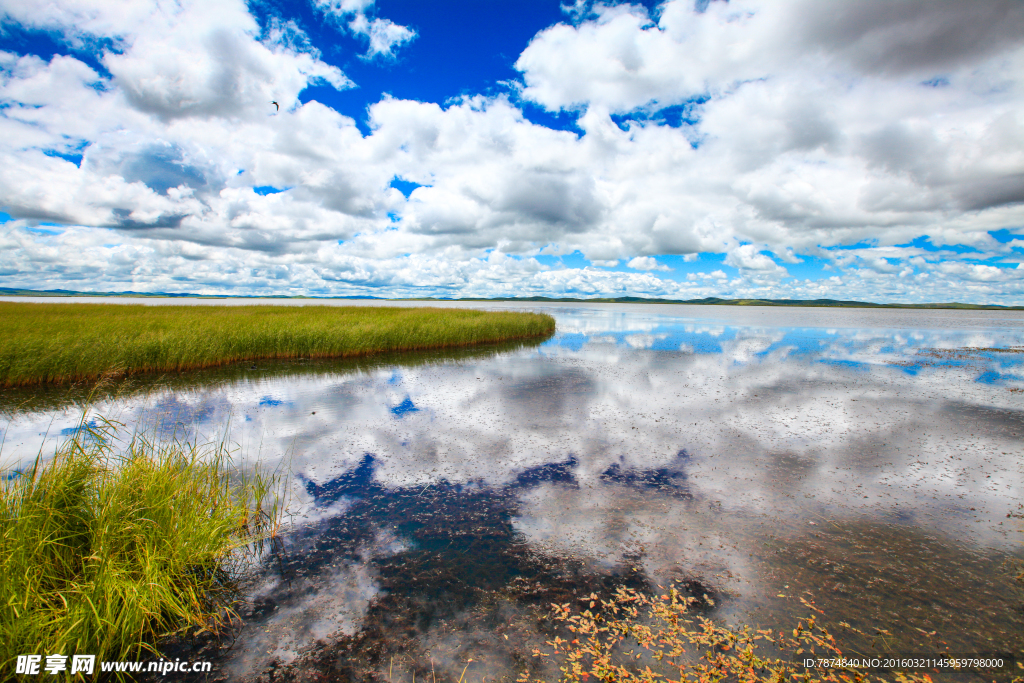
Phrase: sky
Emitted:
{"points": [[868, 150]]}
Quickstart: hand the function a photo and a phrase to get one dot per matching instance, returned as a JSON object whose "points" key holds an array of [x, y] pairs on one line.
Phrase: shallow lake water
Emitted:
{"points": [[868, 461]]}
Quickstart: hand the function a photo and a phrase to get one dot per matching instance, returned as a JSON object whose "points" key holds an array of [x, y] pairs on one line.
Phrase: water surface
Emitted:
{"points": [[869, 461]]}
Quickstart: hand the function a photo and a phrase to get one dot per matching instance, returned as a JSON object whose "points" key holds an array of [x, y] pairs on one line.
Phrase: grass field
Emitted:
{"points": [[105, 550], [54, 343]]}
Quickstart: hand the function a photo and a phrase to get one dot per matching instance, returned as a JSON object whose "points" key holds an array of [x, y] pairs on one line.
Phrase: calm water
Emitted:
{"points": [[868, 461]]}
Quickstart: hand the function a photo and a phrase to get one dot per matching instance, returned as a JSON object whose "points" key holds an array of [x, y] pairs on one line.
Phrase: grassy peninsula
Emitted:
{"points": [[54, 343]]}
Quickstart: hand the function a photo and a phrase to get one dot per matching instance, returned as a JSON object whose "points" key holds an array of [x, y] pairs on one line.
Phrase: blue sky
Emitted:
{"points": [[787, 149]]}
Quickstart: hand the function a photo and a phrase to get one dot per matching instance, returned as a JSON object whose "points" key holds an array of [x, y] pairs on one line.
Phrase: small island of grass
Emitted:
{"points": [[56, 343]]}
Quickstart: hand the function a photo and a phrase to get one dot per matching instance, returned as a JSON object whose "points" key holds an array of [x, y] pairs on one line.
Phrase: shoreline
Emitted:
{"points": [[60, 343], [709, 301]]}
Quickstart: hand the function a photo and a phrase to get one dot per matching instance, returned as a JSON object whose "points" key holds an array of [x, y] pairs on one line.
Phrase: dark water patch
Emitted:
{"points": [[354, 483], [555, 473], [446, 562], [464, 562], [667, 480]]}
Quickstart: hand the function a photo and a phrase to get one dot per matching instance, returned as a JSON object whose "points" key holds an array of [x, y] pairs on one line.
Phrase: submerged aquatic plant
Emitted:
{"points": [[110, 546], [636, 638]]}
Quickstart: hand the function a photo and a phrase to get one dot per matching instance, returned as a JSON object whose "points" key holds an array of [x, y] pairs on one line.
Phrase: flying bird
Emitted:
{"points": [[276, 105]]}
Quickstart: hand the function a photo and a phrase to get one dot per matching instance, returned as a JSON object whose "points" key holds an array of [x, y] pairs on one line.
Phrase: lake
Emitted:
{"points": [[867, 461]]}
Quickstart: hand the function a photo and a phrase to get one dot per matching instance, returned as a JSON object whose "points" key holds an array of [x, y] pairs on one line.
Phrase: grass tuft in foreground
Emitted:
{"points": [[636, 638], [42, 343], [104, 552]]}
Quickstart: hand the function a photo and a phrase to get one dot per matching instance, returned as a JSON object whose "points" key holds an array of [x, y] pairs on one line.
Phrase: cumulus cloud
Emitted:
{"points": [[383, 35], [916, 37], [622, 58], [196, 59], [749, 257], [646, 263], [751, 129]]}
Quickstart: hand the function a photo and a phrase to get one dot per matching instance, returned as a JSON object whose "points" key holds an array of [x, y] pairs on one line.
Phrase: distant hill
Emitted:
{"points": [[708, 301], [7, 291]]}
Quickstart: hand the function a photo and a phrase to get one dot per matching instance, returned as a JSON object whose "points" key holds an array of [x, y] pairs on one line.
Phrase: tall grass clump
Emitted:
{"points": [[105, 551], [42, 343]]}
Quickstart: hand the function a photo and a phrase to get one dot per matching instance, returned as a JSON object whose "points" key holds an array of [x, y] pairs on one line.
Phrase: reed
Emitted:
{"points": [[55, 343], [106, 550]]}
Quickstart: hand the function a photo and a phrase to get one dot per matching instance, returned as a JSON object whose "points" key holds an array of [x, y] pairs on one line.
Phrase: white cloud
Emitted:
{"points": [[749, 257], [787, 152], [342, 8], [383, 35], [97, 259], [622, 59], [193, 60], [646, 263]]}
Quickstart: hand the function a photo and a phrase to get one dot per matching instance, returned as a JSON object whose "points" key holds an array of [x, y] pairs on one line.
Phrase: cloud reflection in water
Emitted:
{"points": [[687, 440]]}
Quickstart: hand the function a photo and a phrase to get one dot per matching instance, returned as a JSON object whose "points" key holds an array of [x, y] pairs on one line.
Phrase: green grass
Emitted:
{"points": [[104, 551], [52, 343]]}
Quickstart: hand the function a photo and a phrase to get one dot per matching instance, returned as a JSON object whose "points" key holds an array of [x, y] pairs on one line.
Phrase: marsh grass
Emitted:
{"points": [[55, 343], [108, 547]]}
